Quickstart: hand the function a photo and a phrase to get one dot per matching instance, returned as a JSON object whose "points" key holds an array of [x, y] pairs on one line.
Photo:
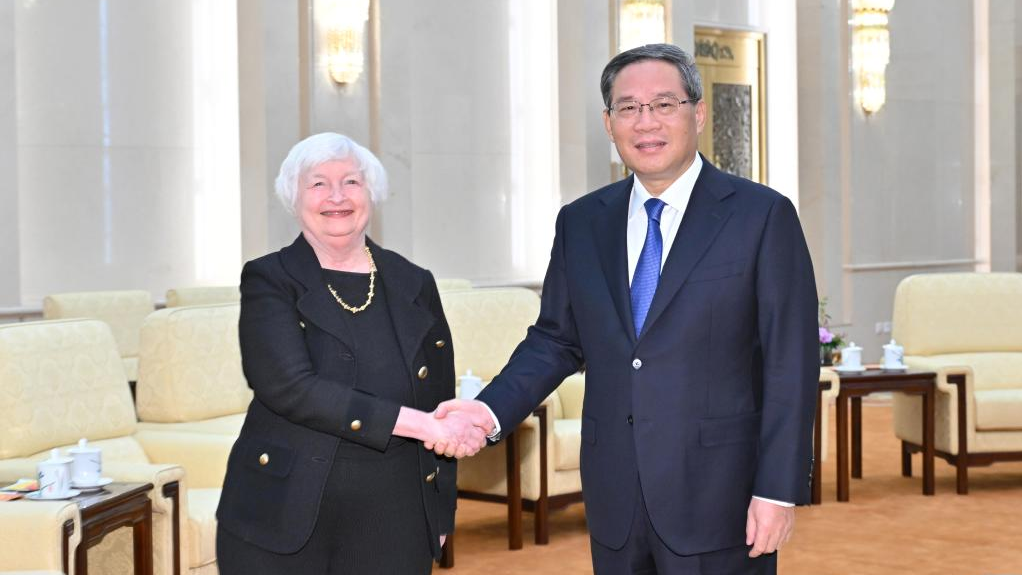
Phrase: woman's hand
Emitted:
{"points": [[453, 436]]}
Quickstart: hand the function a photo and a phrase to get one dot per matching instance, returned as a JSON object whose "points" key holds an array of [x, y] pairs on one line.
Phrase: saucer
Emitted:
{"points": [[99, 484], [845, 369], [38, 496], [894, 367]]}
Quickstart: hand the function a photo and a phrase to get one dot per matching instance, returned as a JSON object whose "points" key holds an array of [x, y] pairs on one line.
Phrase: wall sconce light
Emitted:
{"points": [[870, 51], [345, 22], [641, 22]]}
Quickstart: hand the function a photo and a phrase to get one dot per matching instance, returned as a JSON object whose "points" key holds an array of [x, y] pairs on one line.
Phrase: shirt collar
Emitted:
{"points": [[676, 196]]}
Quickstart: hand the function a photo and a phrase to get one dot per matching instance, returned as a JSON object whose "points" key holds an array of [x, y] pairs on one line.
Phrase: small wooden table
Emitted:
{"points": [[116, 505], [853, 386]]}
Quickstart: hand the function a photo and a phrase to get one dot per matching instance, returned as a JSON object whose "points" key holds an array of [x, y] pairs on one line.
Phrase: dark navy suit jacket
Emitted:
{"points": [[714, 401]]}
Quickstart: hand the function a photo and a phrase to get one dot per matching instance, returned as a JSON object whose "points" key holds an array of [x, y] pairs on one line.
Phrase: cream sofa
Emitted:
{"points": [[486, 325], [190, 371], [63, 380], [451, 284], [124, 311], [208, 295], [965, 327], [33, 538]]}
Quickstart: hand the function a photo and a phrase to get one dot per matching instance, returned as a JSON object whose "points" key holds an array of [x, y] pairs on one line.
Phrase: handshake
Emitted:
{"points": [[457, 428]]}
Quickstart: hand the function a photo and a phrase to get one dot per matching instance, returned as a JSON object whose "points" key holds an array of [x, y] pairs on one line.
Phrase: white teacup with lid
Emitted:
{"points": [[469, 386], [87, 466], [892, 355], [54, 476], [852, 356]]}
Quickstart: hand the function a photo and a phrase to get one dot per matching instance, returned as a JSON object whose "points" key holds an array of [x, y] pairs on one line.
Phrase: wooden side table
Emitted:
{"points": [[117, 505], [853, 386]]}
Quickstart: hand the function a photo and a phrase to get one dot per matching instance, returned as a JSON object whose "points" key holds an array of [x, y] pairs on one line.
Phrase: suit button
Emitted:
{"points": [[636, 363], [301, 324], [356, 425], [264, 459], [423, 372], [630, 420], [440, 343]]}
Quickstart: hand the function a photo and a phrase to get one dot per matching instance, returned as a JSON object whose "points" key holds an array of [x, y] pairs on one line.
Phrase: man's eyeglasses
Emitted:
{"points": [[663, 106]]}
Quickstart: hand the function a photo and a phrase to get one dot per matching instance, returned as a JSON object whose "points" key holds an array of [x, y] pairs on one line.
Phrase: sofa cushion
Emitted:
{"points": [[124, 311], [190, 365], [202, 526], [959, 312], [225, 425], [999, 409], [567, 440], [486, 326], [60, 381], [207, 295]]}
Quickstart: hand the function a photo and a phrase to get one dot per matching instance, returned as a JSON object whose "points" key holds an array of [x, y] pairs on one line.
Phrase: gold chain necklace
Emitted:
{"points": [[372, 282]]}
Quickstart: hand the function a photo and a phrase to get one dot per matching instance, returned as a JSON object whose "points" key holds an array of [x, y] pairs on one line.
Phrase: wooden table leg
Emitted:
{"points": [[447, 553], [907, 460], [142, 538], [513, 465], [928, 423], [842, 439], [857, 437], [815, 485]]}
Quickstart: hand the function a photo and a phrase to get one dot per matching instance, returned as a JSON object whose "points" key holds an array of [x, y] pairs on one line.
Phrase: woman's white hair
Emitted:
{"points": [[326, 147]]}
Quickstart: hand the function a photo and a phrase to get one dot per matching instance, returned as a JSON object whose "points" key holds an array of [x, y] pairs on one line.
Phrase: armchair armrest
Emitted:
{"points": [[39, 535], [204, 456], [571, 393]]}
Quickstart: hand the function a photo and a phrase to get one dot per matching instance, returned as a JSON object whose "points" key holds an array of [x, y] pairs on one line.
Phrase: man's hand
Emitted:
{"points": [[474, 411], [455, 435], [768, 526]]}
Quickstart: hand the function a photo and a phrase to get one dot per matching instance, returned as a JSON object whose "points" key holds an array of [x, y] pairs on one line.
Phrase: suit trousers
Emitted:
{"points": [[371, 520], [644, 553]]}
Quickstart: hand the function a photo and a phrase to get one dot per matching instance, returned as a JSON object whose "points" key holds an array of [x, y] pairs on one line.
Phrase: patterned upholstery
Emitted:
{"points": [[964, 324], [33, 535], [190, 367], [124, 311], [187, 296], [452, 284], [62, 380], [486, 325]]}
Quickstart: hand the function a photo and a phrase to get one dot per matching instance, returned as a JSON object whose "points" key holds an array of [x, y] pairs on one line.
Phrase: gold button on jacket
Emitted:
{"points": [[423, 372], [440, 343], [264, 459], [356, 425], [430, 477]]}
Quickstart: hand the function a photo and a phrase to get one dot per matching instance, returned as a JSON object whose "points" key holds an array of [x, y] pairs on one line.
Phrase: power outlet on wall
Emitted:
{"points": [[883, 327]]}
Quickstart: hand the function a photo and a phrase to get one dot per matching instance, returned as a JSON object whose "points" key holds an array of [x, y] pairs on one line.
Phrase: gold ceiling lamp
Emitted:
{"points": [[641, 22], [870, 51], [345, 22]]}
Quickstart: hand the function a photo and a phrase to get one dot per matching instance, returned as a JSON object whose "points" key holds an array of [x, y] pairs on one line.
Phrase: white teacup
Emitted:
{"points": [[54, 475], [892, 355], [87, 466], [469, 386], [852, 357]]}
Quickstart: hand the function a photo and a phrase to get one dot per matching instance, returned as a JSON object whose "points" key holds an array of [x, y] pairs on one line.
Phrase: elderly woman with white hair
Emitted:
{"points": [[347, 351]]}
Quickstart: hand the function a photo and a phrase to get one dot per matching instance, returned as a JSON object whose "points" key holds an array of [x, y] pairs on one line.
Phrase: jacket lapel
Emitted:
{"points": [[609, 229], [316, 304], [704, 218], [410, 314]]}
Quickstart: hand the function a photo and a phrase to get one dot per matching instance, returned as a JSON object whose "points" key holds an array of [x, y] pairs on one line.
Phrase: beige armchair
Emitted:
{"points": [[486, 325], [63, 380], [452, 284], [190, 371], [123, 311], [965, 327], [39, 537], [187, 296]]}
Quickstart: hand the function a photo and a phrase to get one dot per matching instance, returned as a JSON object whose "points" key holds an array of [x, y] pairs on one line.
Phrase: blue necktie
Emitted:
{"points": [[648, 269]]}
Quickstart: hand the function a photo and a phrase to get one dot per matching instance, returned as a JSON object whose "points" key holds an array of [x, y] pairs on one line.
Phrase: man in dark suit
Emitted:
{"points": [[689, 296]]}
